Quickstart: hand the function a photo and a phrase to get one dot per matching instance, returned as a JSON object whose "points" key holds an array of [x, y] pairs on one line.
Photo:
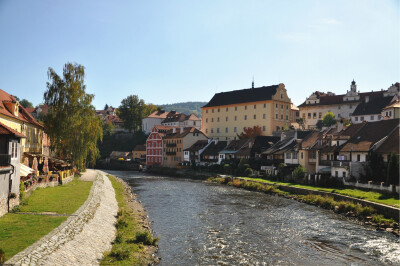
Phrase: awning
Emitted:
{"points": [[25, 170]]}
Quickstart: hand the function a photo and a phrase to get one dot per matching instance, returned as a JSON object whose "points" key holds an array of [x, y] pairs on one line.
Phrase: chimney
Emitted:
{"points": [[366, 99]]}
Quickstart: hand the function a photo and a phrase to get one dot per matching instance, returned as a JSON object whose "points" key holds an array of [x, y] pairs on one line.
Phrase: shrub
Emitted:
{"points": [[121, 222], [146, 238], [299, 171], [13, 196], [118, 238], [120, 253], [380, 219], [16, 209], [21, 191], [248, 172]]}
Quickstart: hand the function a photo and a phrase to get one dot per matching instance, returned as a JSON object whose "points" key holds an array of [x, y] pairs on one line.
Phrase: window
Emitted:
{"points": [[358, 157], [339, 107], [235, 108], [264, 128], [276, 105], [372, 117], [362, 118], [245, 107], [302, 156], [287, 107], [226, 118], [320, 115], [309, 115], [294, 155], [288, 155], [245, 117], [339, 115], [281, 96], [207, 111], [255, 106], [287, 117], [314, 115], [276, 116], [206, 130], [217, 130], [344, 174], [212, 130], [336, 173], [217, 119], [304, 115], [218, 110], [226, 130], [281, 116], [265, 105], [264, 115], [281, 106], [234, 129], [351, 106], [213, 110], [212, 119], [227, 109], [255, 116], [356, 118], [379, 117], [235, 117], [206, 120]]}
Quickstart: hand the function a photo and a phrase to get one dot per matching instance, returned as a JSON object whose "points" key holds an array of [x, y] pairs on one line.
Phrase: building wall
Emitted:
{"points": [[154, 149], [148, 123], [369, 118], [219, 121], [314, 113], [304, 161]]}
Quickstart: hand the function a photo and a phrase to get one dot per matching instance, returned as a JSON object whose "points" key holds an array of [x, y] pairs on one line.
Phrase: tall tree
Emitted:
{"points": [[329, 119], [250, 132], [25, 103], [105, 107], [393, 170], [132, 110], [71, 123]]}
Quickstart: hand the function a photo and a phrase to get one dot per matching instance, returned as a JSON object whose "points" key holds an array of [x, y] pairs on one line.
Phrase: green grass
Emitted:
{"points": [[128, 246], [18, 231], [383, 198], [64, 199]]}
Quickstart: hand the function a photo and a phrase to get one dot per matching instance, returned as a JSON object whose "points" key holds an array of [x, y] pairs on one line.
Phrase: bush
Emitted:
{"points": [[146, 238], [248, 172], [120, 253], [299, 172], [121, 222], [13, 196], [118, 239]]}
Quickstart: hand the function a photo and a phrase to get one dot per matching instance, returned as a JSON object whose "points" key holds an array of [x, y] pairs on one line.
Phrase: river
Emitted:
{"points": [[200, 223]]}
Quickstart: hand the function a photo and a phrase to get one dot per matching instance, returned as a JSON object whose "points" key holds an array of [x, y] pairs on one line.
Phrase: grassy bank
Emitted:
{"points": [[129, 246], [18, 231], [366, 214], [378, 197]]}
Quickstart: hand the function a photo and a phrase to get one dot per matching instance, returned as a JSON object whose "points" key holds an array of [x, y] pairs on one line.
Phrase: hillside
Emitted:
{"points": [[185, 107]]}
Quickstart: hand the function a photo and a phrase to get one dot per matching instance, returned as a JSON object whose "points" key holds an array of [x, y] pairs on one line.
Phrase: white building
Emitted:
{"points": [[154, 119]]}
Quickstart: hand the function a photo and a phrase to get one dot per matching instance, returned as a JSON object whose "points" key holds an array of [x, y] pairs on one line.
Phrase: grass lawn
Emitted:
{"points": [[127, 249], [64, 199], [373, 196], [18, 231]]}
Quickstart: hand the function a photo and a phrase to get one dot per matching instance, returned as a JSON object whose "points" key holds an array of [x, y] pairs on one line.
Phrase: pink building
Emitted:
{"points": [[154, 145]]}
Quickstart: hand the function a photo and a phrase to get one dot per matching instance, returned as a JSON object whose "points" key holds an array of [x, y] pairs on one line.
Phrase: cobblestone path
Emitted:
{"points": [[82, 238]]}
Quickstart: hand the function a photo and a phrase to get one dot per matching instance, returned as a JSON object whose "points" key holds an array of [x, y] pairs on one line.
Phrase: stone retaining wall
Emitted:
{"points": [[29, 191], [83, 237], [66, 180]]}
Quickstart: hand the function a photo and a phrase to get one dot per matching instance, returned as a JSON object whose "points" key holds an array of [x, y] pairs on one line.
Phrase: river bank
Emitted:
{"points": [[366, 215], [134, 243]]}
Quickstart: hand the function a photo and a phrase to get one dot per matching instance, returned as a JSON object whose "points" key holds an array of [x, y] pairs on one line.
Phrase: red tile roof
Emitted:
{"points": [[159, 114], [5, 130], [23, 114]]}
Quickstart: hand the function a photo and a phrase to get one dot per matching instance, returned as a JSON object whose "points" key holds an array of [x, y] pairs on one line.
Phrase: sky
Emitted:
{"points": [[176, 51]]}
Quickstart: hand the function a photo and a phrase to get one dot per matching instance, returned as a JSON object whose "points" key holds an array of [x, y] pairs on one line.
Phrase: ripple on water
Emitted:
{"points": [[209, 224]]}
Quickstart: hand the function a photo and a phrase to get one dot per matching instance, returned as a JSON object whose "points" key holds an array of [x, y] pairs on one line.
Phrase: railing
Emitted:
{"points": [[5, 159], [171, 153], [340, 163]]}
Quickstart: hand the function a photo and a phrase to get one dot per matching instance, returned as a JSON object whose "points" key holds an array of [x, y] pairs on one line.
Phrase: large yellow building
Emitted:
{"points": [[228, 113], [13, 115]]}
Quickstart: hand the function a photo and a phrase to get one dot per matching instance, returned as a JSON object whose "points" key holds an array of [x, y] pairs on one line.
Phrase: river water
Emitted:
{"points": [[200, 223]]}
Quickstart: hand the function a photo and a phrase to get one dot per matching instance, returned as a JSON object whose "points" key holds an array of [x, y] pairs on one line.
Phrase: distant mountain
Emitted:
{"points": [[186, 107]]}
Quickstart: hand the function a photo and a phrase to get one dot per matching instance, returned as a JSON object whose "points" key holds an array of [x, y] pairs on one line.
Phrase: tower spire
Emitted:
{"points": [[252, 83]]}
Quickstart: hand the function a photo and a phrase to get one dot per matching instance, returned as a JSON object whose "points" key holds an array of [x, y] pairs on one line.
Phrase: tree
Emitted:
{"points": [[108, 128], [393, 169], [106, 107], [25, 103], [302, 123], [250, 132], [132, 110], [329, 119], [71, 123]]}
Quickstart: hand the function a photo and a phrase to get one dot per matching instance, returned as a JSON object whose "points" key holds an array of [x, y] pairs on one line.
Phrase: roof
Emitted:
{"points": [[193, 117], [198, 145], [243, 96], [119, 154], [159, 114], [30, 109], [325, 99], [310, 140], [140, 148], [5, 130], [395, 104], [235, 145], [370, 134], [179, 134], [175, 117], [279, 145], [373, 106], [23, 114], [213, 149], [391, 144]]}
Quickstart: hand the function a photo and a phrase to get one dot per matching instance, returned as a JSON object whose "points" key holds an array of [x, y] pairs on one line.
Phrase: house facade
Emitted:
{"points": [[152, 120], [14, 116], [176, 142], [154, 144], [139, 152], [181, 120], [10, 154], [228, 113]]}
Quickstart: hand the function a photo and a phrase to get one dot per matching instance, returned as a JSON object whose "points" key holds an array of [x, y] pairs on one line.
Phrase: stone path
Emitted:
{"points": [[81, 239], [88, 175]]}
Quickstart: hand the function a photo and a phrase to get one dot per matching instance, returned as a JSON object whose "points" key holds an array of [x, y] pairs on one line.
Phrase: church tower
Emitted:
{"points": [[353, 86]]}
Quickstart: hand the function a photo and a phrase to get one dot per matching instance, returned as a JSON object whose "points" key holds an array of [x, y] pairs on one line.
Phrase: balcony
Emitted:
{"points": [[340, 163], [171, 153], [5, 159], [170, 145], [325, 163]]}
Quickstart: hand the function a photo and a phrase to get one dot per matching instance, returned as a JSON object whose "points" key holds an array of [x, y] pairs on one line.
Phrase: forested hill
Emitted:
{"points": [[186, 107]]}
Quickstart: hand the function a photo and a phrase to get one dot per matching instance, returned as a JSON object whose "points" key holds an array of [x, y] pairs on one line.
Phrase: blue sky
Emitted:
{"points": [[174, 51]]}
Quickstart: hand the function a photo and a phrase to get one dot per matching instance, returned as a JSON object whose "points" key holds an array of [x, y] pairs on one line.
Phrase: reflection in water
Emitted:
{"points": [[207, 224]]}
